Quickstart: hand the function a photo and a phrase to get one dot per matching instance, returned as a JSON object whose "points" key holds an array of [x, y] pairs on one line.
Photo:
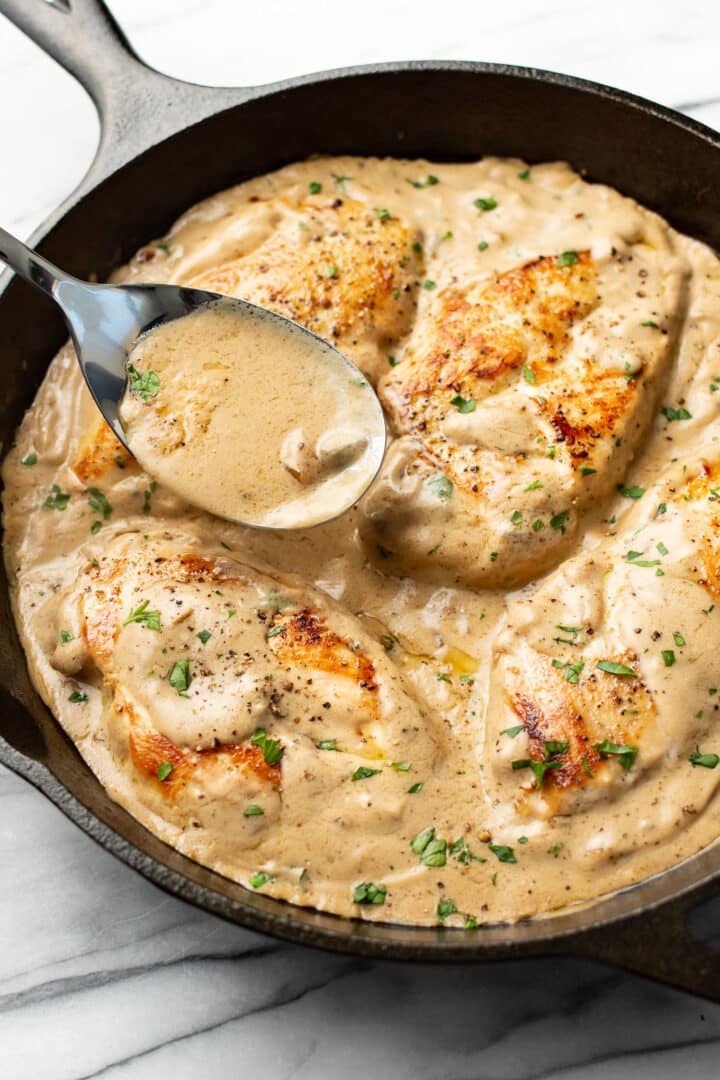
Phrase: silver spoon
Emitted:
{"points": [[105, 321]]}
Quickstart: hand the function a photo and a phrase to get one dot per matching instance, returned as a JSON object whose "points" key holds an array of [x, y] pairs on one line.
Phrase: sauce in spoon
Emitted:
{"points": [[251, 417]]}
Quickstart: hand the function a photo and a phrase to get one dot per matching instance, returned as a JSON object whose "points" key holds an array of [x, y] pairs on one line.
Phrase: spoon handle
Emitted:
{"points": [[29, 265]]}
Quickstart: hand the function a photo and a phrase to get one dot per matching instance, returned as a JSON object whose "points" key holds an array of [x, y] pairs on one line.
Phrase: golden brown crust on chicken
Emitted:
{"points": [[508, 392], [99, 451], [579, 716], [344, 270]]}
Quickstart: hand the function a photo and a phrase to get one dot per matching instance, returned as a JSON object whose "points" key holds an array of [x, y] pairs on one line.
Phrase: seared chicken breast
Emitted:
{"points": [[518, 403], [225, 688], [605, 675], [346, 271]]}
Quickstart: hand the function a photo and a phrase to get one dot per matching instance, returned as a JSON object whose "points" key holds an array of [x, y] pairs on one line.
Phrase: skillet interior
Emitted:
{"points": [[450, 112]]}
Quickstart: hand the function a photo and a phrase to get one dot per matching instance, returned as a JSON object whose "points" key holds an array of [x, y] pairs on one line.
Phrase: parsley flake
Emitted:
{"points": [[616, 669], [364, 773], [707, 761], [179, 677], [367, 893], [57, 499], [151, 619], [463, 405], [143, 383]]}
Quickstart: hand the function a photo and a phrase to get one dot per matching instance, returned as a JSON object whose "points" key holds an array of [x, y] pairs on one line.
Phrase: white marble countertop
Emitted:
{"points": [[100, 972]]}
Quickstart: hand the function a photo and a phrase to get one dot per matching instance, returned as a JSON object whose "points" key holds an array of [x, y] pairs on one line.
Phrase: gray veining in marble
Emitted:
{"points": [[101, 974]]}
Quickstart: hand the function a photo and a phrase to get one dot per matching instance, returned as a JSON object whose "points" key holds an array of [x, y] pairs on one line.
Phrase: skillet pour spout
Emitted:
{"points": [[154, 127]]}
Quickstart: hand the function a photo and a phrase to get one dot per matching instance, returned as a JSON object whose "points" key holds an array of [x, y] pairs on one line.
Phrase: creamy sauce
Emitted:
{"points": [[251, 419], [400, 690]]}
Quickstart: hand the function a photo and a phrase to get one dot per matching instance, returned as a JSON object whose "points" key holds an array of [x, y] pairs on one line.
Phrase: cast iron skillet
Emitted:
{"points": [[164, 145]]}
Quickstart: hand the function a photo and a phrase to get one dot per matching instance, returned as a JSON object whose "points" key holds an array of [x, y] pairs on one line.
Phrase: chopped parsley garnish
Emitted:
{"points": [[573, 631], [632, 492], [668, 656], [96, 527], [147, 497], [143, 383], [460, 851], [516, 517], [66, 636], [401, 766], [585, 471], [661, 548], [253, 810], [204, 636], [77, 697], [364, 773], [625, 754], [164, 245], [524, 174], [442, 676], [707, 761], [383, 214], [327, 744], [488, 203], [535, 486], [29, 459], [314, 187], [271, 748], [332, 271], [538, 768], [340, 180], [431, 849], [512, 732], [445, 908], [179, 676], [616, 669], [261, 878], [428, 284], [538, 524], [649, 322], [529, 375], [163, 770], [679, 640], [483, 245], [275, 630], [555, 849], [463, 405], [367, 893], [98, 502], [440, 486], [676, 414], [571, 672], [633, 557], [568, 258], [392, 361], [57, 499], [503, 852], [560, 520], [151, 619], [415, 789], [429, 181]]}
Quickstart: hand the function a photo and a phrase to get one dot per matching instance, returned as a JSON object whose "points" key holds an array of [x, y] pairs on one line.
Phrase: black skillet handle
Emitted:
{"points": [[659, 944], [137, 105]]}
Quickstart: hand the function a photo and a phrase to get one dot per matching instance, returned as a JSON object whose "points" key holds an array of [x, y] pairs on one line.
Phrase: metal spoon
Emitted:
{"points": [[105, 321]]}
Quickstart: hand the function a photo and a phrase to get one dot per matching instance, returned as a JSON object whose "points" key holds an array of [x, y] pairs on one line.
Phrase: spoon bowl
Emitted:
{"points": [[106, 321]]}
